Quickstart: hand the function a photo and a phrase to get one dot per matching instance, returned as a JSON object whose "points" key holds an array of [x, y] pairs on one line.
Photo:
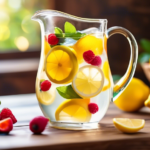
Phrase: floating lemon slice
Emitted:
{"points": [[89, 81], [128, 125], [61, 64], [74, 110], [45, 98]]}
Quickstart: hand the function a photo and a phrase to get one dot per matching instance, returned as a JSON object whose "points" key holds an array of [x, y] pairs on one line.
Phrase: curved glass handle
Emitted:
{"points": [[124, 81]]}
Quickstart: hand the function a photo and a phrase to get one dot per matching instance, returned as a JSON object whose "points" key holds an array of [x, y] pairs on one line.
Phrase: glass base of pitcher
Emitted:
{"points": [[74, 126]]}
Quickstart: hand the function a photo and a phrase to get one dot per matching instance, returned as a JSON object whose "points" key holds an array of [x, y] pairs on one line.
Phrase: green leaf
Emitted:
{"points": [[145, 44], [75, 36], [58, 32], [67, 92], [144, 57], [69, 28]]}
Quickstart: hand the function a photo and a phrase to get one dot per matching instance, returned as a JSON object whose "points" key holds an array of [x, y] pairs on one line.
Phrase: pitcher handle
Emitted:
{"points": [[125, 80]]}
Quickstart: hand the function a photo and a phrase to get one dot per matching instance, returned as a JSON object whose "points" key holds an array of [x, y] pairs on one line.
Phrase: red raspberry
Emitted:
{"points": [[7, 113], [93, 108], [6, 125], [97, 61], [52, 39], [38, 124], [88, 56], [45, 85]]}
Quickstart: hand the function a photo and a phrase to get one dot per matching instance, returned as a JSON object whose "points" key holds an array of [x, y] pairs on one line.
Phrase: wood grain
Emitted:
{"points": [[105, 138]]}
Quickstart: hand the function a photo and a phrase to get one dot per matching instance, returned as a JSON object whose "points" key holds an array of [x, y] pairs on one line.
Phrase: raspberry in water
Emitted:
{"points": [[52, 39], [45, 85], [88, 56], [93, 108], [97, 61]]}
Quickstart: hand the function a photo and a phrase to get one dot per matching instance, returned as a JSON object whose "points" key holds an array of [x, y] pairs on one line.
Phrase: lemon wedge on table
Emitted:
{"points": [[74, 110], [88, 81], [128, 125], [61, 64]]}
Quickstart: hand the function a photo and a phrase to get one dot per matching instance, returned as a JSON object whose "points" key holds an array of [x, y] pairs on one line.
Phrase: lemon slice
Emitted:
{"points": [[61, 64], [128, 125], [73, 110], [45, 98], [88, 81]]}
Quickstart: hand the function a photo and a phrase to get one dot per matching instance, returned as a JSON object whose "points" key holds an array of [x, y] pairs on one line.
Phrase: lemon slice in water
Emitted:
{"points": [[88, 81], [73, 110], [61, 64]]}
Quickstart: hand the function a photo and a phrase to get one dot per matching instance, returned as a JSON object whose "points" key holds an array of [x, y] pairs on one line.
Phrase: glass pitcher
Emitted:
{"points": [[74, 84]]}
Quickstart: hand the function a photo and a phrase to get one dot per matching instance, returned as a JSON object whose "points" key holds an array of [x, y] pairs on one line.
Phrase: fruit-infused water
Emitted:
{"points": [[74, 83]]}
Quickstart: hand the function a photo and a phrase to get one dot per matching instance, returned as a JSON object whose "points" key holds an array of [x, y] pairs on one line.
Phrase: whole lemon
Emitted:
{"points": [[133, 97]]}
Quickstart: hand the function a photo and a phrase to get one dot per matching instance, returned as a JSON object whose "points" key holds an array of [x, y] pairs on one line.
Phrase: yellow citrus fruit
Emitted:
{"points": [[46, 47], [75, 110], [147, 102], [61, 64], [106, 71], [128, 125], [88, 81], [133, 97], [88, 42], [45, 98], [105, 43]]}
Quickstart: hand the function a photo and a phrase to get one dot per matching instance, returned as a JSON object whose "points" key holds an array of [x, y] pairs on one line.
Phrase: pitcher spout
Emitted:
{"points": [[37, 16]]}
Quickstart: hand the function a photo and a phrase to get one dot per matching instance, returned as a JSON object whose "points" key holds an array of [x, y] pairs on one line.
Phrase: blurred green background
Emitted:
{"points": [[17, 30]]}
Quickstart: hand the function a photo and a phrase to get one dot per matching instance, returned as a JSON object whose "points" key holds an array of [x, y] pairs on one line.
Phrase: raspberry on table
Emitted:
{"points": [[93, 108], [52, 39], [7, 113], [45, 85], [88, 56], [97, 61], [38, 124]]}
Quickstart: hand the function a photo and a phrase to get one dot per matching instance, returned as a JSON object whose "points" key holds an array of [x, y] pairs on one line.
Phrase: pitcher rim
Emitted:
{"points": [[70, 16]]}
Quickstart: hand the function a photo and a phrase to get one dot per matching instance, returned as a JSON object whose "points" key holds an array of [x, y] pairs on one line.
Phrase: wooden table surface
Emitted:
{"points": [[107, 137]]}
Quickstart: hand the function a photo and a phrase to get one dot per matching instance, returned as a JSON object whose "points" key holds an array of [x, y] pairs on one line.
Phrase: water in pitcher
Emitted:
{"points": [[74, 82]]}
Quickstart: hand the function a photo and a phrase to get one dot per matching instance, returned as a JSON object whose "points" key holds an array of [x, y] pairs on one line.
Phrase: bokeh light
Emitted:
{"points": [[4, 32], [15, 22], [4, 17], [15, 4], [22, 43]]}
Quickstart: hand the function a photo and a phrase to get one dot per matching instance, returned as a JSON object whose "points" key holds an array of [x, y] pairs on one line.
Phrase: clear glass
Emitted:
{"points": [[74, 62]]}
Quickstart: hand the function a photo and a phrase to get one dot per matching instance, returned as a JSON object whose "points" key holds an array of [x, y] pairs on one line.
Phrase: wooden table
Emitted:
{"points": [[25, 107]]}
